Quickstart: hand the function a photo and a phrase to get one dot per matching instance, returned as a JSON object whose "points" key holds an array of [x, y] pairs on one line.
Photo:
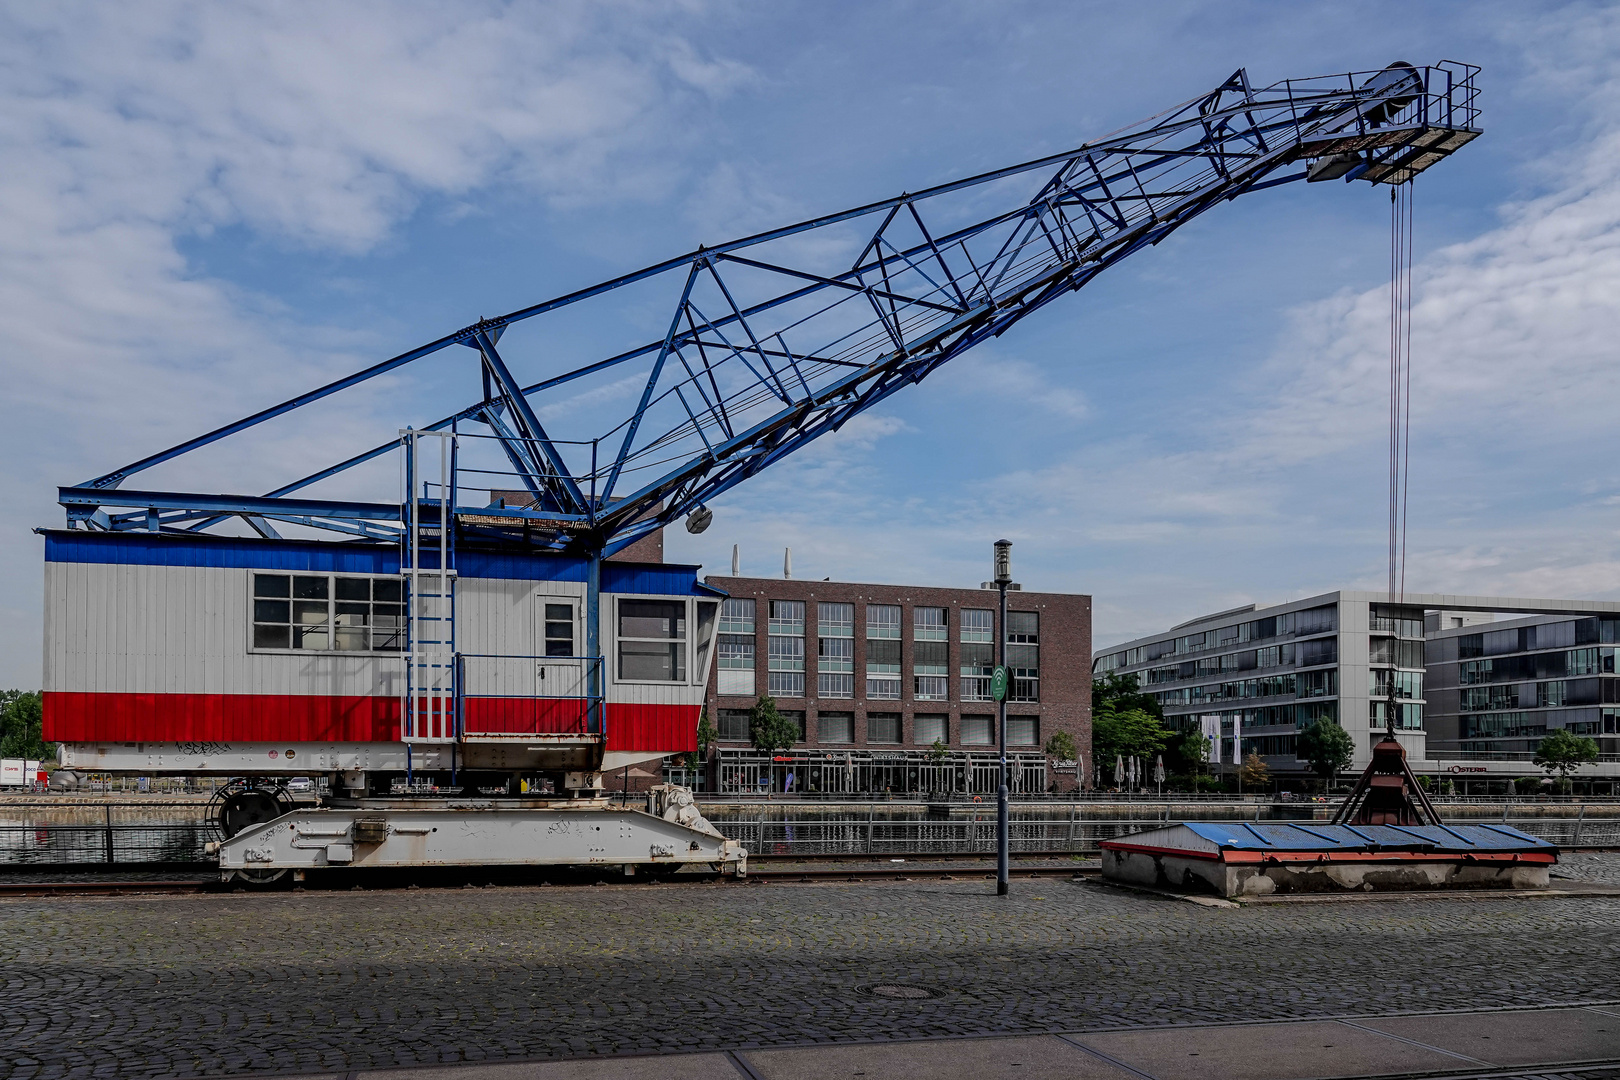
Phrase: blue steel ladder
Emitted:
{"points": [[428, 700]]}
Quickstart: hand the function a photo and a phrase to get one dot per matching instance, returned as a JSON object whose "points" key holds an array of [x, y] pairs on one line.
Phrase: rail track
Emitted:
{"points": [[885, 871]]}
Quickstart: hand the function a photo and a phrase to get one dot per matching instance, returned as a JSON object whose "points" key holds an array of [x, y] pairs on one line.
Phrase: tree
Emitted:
{"points": [[768, 729], [1254, 772], [1191, 749], [21, 718], [1563, 753], [707, 736], [1326, 747], [1061, 747], [937, 752], [1128, 733], [1122, 693]]}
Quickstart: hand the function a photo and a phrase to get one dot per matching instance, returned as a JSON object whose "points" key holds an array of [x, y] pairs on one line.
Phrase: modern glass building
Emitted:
{"points": [[1268, 672], [1473, 696], [1497, 690]]}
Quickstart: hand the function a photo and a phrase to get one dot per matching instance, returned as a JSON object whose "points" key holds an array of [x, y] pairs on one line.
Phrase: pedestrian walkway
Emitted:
{"points": [[1544, 1044]]}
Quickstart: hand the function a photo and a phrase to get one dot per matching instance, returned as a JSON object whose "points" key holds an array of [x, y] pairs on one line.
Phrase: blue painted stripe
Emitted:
{"points": [[307, 556]]}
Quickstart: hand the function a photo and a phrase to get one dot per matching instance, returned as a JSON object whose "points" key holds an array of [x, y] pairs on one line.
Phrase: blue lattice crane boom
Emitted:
{"points": [[771, 342]]}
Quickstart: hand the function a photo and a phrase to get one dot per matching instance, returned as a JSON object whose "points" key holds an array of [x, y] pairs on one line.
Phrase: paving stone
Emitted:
{"points": [[1037, 1057], [300, 982], [1542, 1036], [1265, 1052]]}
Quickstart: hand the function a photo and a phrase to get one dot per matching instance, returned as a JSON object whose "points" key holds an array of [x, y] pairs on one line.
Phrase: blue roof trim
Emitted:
{"points": [[312, 556], [662, 579], [131, 549]]}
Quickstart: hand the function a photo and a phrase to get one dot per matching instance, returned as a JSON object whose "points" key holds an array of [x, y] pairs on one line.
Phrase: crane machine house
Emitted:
{"points": [[272, 658]]}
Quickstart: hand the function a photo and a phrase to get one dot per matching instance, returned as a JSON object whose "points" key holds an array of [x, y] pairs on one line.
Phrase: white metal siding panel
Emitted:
{"points": [[175, 629]]}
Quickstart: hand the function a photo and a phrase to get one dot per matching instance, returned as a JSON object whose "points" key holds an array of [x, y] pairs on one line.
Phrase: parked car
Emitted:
{"points": [[300, 785]]}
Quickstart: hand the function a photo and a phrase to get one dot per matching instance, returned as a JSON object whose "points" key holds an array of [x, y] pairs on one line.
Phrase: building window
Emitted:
{"points": [[978, 731], [830, 684], [1023, 731], [930, 657], [1407, 684], [883, 652], [737, 616], [327, 613], [1024, 655], [835, 657], [883, 621], [1408, 717], [835, 620], [928, 730], [652, 640], [928, 624], [733, 724], [978, 653], [882, 727], [835, 727], [786, 658], [1310, 684], [559, 630], [734, 670]]}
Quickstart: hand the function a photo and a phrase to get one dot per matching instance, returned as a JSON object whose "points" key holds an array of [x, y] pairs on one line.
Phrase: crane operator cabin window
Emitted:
{"points": [[652, 640], [327, 613]]}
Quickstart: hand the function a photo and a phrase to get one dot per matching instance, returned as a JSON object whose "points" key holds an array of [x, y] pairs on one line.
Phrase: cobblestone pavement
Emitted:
{"points": [[301, 982]]}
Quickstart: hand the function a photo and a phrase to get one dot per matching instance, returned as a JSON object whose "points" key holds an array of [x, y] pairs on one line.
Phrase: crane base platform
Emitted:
{"points": [[666, 836]]}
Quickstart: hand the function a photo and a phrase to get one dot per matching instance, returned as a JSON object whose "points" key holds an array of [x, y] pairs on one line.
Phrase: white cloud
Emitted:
{"points": [[311, 127]]}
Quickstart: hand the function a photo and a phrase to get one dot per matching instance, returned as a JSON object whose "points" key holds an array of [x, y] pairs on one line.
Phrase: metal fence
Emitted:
{"points": [[1071, 834], [130, 834], [57, 833]]}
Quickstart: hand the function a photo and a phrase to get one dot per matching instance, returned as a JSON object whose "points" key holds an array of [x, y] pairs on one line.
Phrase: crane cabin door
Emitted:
{"points": [[559, 671]]}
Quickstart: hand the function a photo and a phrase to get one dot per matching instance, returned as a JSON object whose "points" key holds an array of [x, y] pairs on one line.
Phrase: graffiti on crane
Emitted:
{"points": [[203, 749]]}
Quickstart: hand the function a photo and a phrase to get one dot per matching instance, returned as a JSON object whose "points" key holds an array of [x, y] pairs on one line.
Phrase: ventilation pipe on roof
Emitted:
{"points": [[787, 562], [736, 561]]}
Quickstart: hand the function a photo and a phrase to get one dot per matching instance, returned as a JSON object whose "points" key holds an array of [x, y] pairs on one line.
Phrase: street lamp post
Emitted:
{"points": [[1003, 579]]}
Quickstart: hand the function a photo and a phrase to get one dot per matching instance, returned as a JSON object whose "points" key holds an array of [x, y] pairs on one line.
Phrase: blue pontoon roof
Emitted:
{"points": [[1290, 836]]}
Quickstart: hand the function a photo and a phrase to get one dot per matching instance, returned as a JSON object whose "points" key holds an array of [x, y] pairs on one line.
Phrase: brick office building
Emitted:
{"points": [[890, 686]]}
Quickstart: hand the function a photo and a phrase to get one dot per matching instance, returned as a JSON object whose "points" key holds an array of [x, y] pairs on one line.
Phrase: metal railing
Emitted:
{"points": [[507, 695], [129, 834], [58, 833]]}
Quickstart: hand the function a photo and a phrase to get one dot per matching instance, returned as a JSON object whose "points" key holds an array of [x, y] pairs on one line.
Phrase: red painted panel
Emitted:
{"points": [[670, 728], [88, 717], [524, 716]]}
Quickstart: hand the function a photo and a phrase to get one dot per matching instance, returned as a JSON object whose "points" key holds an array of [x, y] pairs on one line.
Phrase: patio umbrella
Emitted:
{"points": [[1119, 769], [1158, 769]]}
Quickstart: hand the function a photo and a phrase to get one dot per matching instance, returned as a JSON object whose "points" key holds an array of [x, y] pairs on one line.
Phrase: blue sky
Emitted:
{"points": [[209, 207]]}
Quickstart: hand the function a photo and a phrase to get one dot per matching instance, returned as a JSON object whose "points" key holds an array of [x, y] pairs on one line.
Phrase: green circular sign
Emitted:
{"points": [[998, 685]]}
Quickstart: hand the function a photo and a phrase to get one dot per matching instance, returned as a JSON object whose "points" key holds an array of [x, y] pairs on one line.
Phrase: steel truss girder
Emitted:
{"points": [[760, 356]]}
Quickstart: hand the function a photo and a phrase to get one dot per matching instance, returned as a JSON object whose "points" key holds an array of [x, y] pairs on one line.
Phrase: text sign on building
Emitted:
{"points": [[998, 685]]}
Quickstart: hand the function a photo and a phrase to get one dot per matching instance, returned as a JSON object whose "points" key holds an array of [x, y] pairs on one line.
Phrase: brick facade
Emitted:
{"points": [[1064, 665]]}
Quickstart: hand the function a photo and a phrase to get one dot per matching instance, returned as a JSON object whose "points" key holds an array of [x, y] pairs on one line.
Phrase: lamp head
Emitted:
{"points": [[1003, 561]]}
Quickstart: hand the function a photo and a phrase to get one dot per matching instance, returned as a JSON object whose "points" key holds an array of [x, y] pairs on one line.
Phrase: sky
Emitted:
{"points": [[207, 208]]}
